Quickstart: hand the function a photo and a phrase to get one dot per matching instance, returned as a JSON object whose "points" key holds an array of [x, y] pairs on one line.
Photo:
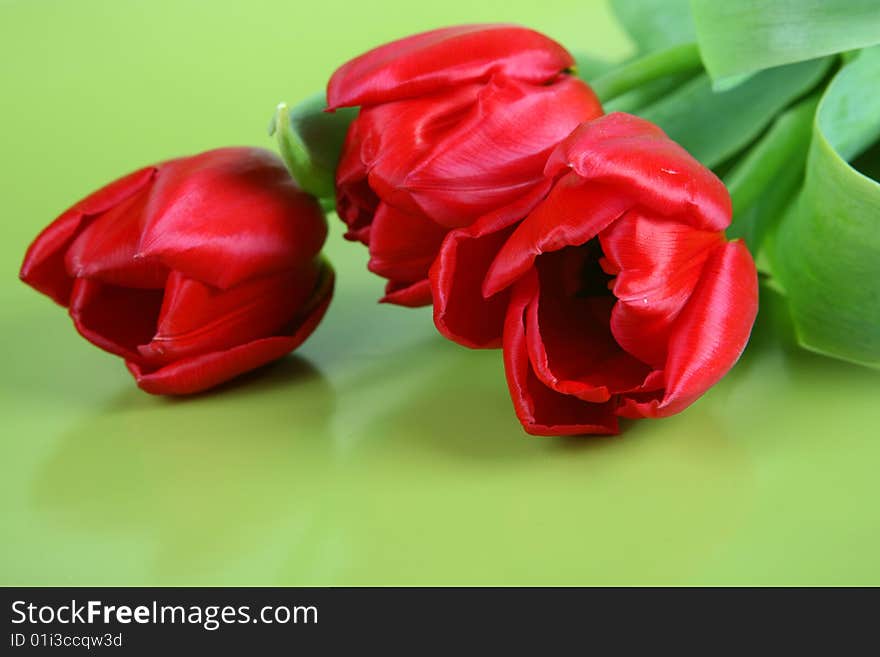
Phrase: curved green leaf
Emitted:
{"points": [[655, 24], [637, 99], [310, 142], [682, 58], [742, 36], [588, 67], [826, 252], [765, 181], [715, 125]]}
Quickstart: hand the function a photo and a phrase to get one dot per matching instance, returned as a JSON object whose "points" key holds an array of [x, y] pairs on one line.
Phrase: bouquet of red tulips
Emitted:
{"points": [[598, 222]]}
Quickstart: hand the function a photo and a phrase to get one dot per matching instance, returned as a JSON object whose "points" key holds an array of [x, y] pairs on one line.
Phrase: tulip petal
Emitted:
{"points": [[572, 214], [456, 157], [570, 344], [43, 267], [461, 312], [106, 249], [199, 373], [197, 318], [403, 245], [356, 203], [658, 263], [411, 294], [431, 61], [638, 159], [712, 330], [541, 410], [200, 219], [390, 140], [639, 405], [116, 319]]}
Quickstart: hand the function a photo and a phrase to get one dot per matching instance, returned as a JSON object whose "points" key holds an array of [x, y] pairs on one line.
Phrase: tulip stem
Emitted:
{"points": [[677, 59]]}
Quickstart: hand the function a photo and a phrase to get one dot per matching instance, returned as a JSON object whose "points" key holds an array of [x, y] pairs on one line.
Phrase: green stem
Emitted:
{"points": [[677, 59]]}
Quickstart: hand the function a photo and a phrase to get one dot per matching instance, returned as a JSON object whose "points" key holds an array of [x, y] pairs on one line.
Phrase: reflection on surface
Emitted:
{"points": [[418, 474], [201, 481], [401, 461], [453, 487]]}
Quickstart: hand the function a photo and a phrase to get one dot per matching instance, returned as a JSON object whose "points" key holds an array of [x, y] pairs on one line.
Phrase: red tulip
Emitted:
{"points": [[611, 287], [453, 123], [193, 270]]}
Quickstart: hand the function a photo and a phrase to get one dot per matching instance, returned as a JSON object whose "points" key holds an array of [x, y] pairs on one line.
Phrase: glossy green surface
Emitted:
{"points": [[380, 454]]}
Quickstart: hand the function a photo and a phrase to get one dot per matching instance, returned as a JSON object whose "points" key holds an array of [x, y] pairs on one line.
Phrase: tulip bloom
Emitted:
{"points": [[193, 270], [611, 288], [453, 124]]}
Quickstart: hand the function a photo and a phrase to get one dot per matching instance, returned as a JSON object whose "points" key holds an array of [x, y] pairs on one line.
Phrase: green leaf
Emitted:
{"points": [[713, 126], [655, 24], [683, 58], [826, 252], [729, 82], [765, 181], [741, 36], [589, 67], [310, 142], [637, 99], [756, 224]]}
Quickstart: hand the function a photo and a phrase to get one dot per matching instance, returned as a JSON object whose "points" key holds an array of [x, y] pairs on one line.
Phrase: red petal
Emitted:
{"points": [[411, 294], [711, 332], [659, 262], [230, 214], [199, 373], [640, 405], [106, 249], [641, 162], [197, 318], [355, 201], [461, 313], [393, 138], [196, 374], [570, 344], [43, 267], [571, 215], [116, 319], [403, 245], [428, 62], [456, 157], [541, 410]]}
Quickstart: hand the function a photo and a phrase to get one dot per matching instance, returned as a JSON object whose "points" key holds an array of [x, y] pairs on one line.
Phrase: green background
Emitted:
{"points": [[379, 454]]}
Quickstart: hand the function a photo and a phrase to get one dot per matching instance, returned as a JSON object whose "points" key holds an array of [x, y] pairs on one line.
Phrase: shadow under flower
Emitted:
{"points": [[199, 489], [444, 468]]}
